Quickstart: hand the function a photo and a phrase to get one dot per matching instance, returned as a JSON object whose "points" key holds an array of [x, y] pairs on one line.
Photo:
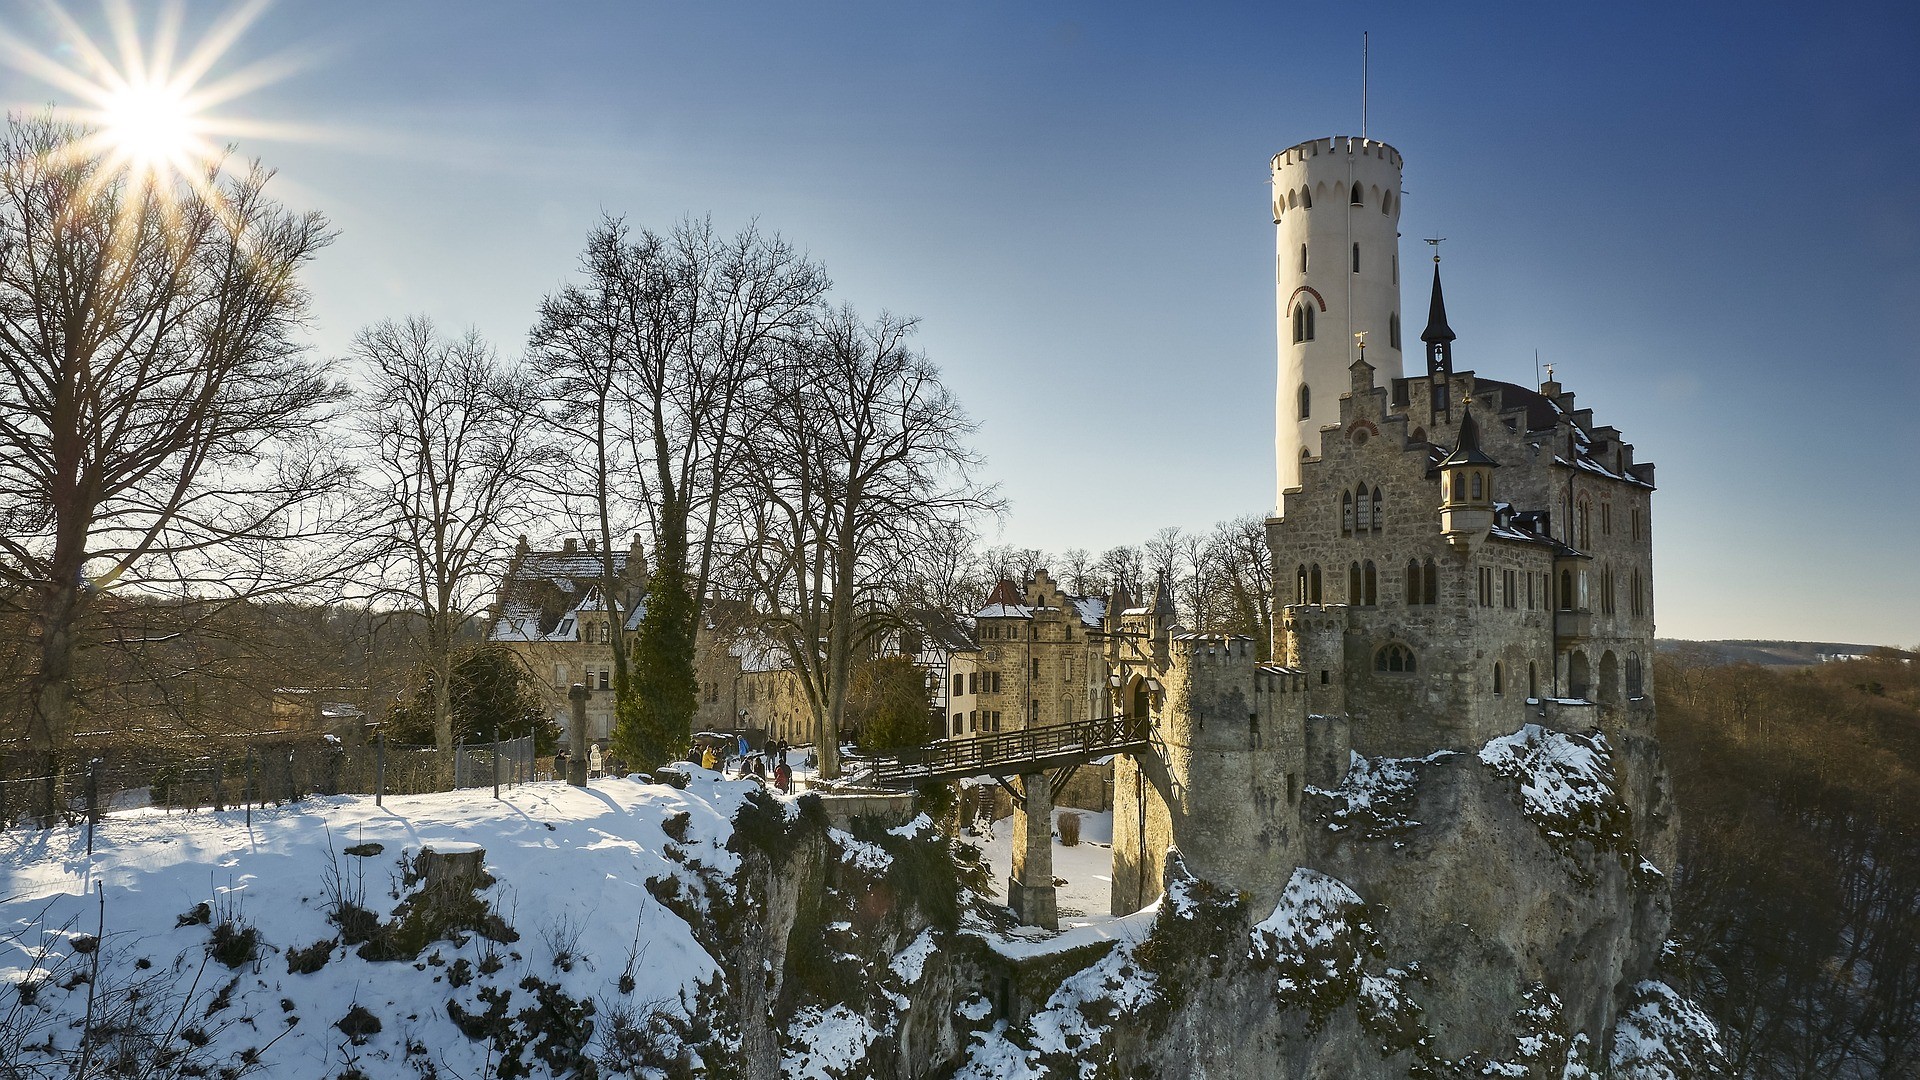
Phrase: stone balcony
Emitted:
{"points": [[1573, 625]]}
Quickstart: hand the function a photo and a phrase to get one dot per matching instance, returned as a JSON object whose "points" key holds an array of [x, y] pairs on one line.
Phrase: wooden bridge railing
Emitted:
{"points": [[1008, 753]]}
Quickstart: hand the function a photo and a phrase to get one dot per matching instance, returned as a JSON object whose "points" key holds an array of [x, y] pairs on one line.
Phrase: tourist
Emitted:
{"points": [[783, 777]]}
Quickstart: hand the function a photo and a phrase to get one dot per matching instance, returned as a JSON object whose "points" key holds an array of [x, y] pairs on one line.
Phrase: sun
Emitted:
{"points": [[151, 126], [146, 99]]}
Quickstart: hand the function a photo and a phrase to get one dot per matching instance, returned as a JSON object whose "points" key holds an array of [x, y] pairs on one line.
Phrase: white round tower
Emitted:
{"points": [[1336, 212]]}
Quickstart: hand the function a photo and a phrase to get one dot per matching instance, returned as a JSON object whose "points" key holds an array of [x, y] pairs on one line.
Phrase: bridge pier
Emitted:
{"points": [[1030, 885]]}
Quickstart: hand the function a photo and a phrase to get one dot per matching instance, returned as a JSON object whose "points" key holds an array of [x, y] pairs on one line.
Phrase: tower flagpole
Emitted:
{"points": [[1363, 85]]}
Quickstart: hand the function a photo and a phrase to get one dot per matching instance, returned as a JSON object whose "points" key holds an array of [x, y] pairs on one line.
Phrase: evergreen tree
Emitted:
{"points": [[888, 703], [653, 721]]}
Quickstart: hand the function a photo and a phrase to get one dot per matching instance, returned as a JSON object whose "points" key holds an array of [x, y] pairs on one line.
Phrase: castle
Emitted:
{"points": [[1454, 557]]}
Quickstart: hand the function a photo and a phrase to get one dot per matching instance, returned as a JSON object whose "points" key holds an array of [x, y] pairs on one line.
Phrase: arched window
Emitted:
{"points": [[1479, 486], [1308, 308], [1356, 258], [1299, 323], [1313, 584], [1373, 585], [1498, 686], [1566, 590], [1306, 198], [1394, 657], [1303, 258], [1358, 198], [1433, 583], [1418, 434], [1362, 511], [1346, 512], [1393, 330], [1635, 683], [1300, 593], [1459, 487], [1378, 521], [1413, 583], [1584, 517], [1353, 585]]}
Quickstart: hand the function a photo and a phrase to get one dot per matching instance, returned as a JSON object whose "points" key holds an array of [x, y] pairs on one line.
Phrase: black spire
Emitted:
{"points": [[1467, 450], [1439, 338], [1437, 331]]}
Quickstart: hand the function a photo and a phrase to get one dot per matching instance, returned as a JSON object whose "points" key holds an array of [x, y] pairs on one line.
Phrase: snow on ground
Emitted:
{"points": [[1087, 866], [571, 866]]}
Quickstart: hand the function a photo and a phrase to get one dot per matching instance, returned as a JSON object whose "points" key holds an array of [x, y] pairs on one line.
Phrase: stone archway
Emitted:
{"points": [[1579, 675], [1609, 678]]}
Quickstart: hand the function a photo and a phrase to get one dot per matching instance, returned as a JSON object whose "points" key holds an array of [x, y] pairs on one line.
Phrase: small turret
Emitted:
{"points": [[1466, 486]]}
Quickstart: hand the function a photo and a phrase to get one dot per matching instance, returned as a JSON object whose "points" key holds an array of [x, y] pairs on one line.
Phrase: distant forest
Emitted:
{"points": [[1797, 898]]}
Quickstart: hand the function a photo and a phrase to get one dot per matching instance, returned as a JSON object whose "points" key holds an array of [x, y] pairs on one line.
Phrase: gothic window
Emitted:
{"points": [[1498, 686], [1393, 329], [1394, 657], [1566, 590], [1583, 516], [1378, 520], [1479, 490], [1459, 487], [1606, 519], [1432, 583], [1373, 585], [1356, 258], [1418, 434], [1306, 198], [1300, 592], [1306, 399], [1362, 511], [1353, 584], [1413, 582], [1359, 199], [1303, 258], [1346, 512], [1313, 583], [1386, 202], [1635, 683]]}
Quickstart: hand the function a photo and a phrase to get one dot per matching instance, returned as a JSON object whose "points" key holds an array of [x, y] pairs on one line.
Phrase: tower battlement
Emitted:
{"points": [[1336, 144]]}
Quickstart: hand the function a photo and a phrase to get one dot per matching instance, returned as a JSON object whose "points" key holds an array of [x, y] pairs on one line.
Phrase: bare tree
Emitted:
{"points": [[157, 418], [1235, 573], [859, 456], [1077, 564], [664, 344], [451, 437], [1123, 569]]}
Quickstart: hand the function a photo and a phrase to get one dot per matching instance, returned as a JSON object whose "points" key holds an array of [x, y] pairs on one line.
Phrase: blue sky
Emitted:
{"points": [[1705, 215]]}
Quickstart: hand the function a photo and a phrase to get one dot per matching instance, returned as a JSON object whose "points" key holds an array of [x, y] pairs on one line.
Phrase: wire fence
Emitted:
{"points": [[220, 773]]}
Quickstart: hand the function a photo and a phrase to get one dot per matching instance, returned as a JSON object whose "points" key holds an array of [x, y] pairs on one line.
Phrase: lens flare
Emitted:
{"points": [[145, 99]]}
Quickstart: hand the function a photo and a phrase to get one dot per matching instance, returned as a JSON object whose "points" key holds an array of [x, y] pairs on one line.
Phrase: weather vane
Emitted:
{"points": [[1549, 372], [1361, 337], [1435, 241]]}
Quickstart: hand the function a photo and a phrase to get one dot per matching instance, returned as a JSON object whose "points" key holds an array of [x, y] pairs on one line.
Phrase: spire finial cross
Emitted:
{"points": [[1361, 337], [1435, 241], [1549, 372]]}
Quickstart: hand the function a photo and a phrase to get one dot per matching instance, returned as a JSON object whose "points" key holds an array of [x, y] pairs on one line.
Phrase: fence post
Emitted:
{"points": [[293, 790], [249, 787], [93, 800], [496, 759], [379, 768]]}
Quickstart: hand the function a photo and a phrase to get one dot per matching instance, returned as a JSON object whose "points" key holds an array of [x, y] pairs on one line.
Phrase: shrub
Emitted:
{"points": [[1069, 830]]}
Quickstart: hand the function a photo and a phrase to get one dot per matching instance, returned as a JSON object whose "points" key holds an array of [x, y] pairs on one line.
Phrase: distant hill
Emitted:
{"points": [[1767, 653]]}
